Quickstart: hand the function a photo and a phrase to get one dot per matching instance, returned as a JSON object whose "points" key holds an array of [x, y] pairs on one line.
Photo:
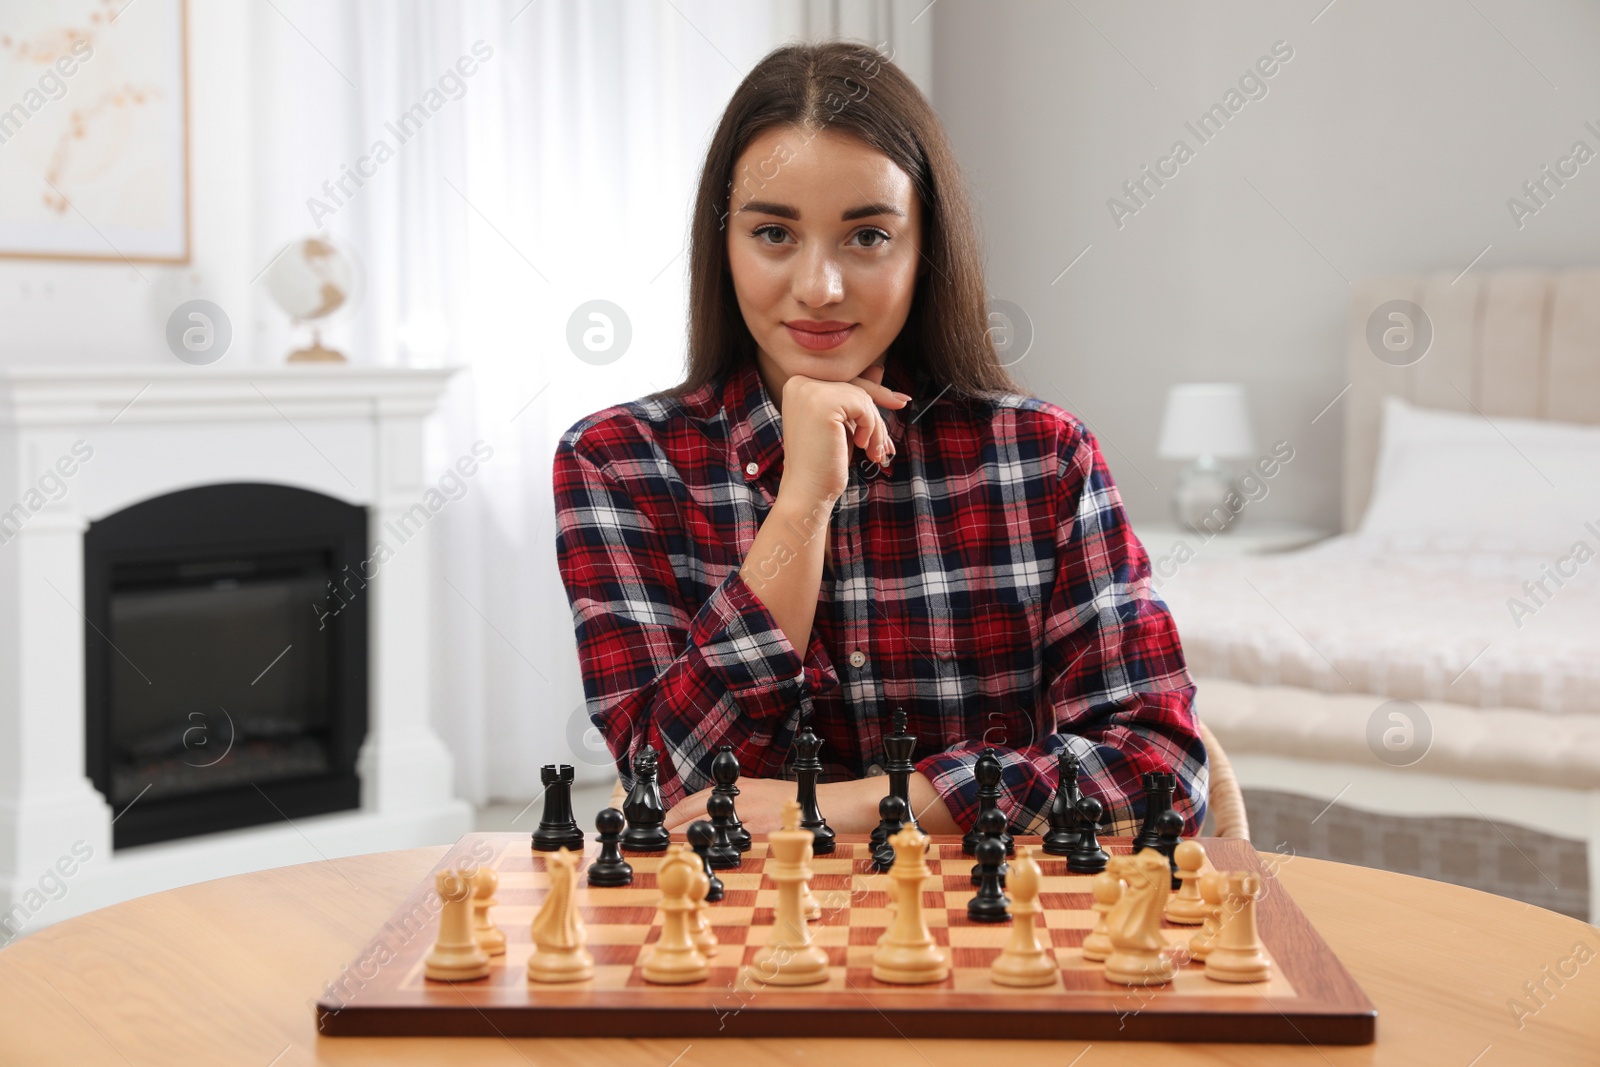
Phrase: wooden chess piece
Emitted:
{"points": [[700, 927], [557, 829], [558, 932], [991, 823], [807, 770], [988, 772], [897, 749], [907, 954], [1108, 888], [1169, 830], [702, 835], [790, 957], [1158, 790], [1063, 834], [456, 956], [1026, 961], [1087, 857], [490, 936], [892, 815], [675, 959], [1138, 950], [1237, 955], [609, 869], [723, 853], [1187, 907], [646, 814], [725, 771], [990, 904], [1211, 892]]}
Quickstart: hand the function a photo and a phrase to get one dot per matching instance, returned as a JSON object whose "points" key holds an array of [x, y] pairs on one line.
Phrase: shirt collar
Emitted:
{"points": [[756, 426]]}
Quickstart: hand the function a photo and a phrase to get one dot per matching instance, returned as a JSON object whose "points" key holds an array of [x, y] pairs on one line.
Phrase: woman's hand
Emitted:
{"points": [[821, 419], [760, 805]]}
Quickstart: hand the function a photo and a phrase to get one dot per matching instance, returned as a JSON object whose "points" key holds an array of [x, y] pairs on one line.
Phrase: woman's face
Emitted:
{"points": [[823, 230]]}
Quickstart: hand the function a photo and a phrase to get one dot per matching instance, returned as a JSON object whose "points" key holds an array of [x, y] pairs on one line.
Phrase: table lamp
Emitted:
{"points": [[1206, 422]]}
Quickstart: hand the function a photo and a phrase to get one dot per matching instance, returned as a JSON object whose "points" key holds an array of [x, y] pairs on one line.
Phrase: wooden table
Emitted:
{"points": [[226, 972]]}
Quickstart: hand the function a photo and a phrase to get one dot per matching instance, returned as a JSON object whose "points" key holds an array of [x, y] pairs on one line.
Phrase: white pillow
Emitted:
{"points": [[1454, 477]]}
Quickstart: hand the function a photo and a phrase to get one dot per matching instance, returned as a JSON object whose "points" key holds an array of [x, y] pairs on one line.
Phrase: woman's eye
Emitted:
{"points": [[759, 230], [874, 233]]}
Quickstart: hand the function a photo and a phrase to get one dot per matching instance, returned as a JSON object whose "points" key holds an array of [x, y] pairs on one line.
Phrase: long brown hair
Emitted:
{"points": [[848, 88]]}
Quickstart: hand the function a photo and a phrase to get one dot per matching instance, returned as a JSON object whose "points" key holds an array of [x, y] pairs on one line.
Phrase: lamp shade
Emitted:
{"points": [[1206, 419]]}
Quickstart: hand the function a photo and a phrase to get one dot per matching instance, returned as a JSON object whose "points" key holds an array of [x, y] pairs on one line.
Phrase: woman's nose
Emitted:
{"points": [[818, 279]]}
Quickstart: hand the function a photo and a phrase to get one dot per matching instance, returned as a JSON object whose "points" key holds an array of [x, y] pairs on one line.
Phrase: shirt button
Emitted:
{"points": [[857, 658], [751, 468], [875, 771]]}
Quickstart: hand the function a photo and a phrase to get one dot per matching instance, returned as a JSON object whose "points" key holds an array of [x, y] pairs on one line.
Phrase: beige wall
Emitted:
{"points": [[1391, 141]]}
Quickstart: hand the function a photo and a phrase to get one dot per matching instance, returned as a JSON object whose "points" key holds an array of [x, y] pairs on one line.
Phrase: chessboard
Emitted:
{"points": [[1310, 997]]}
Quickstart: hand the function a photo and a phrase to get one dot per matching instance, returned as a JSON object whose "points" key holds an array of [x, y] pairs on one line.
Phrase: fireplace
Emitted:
{"points": [[225, 684]]}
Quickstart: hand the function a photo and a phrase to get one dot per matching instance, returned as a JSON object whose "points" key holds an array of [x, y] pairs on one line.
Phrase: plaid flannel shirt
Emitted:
{"points": [[986, 581]]}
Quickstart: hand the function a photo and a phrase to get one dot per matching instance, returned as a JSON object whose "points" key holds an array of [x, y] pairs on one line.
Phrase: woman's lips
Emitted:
{"points": [[819, 342]]}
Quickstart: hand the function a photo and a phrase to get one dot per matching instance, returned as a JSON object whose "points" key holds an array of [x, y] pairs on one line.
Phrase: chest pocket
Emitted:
{"points": [[982, 666]]}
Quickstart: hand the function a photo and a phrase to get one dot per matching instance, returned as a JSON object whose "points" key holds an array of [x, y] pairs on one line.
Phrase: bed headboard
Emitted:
{"points": [[1523, 343]]}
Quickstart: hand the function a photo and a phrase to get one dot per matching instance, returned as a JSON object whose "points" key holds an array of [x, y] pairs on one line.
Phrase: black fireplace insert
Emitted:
{"points": [[226, 657]]}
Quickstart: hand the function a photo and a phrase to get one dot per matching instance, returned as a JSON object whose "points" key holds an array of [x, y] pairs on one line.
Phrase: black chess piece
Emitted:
{"points": [[892, 815], [988, 772], [991, 823], [702, 837], [722, 852], [1158, 788], [557, 828], [1169, 824], [725, 771], [1063, 833], [807, 769], [990, 904], [646, 814], [1087, 857], [609, 868], [897, 750]]}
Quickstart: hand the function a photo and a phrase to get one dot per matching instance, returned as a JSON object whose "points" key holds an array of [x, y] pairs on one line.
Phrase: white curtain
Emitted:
{"points": [[560, 170]]}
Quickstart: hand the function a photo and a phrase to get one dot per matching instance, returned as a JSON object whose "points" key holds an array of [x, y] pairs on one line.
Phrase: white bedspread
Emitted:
{"points": [[1418, 621]]}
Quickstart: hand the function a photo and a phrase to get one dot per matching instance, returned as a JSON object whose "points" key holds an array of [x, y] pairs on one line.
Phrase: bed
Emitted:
{"points": [[1384, 692]]}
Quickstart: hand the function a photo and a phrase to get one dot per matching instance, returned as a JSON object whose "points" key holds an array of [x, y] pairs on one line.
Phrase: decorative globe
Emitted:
{"points": [[314, 281]]}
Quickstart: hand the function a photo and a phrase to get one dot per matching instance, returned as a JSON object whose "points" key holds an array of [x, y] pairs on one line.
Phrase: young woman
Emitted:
{"points": [[849, 507]]}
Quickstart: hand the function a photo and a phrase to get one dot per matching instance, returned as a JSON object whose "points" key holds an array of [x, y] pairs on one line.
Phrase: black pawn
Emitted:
{"points": [[722, 853], [557, 828], [807, 769], [988, 772], [991, 823], [892, 815], [1169, 824], [990, 905], [609, 868], [1087, 857], [702, 836], [1158, 789], [1063, 833], [725, 771], [646, 814]]}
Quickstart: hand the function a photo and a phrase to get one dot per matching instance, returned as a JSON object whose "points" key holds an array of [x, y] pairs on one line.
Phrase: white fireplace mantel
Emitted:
{"points": [[354, 433]]}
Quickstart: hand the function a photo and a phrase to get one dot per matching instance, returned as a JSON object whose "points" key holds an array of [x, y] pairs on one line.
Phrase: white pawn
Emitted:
{"points": [[1107, 891], [456, 956], [675, 959], [1187, 907], [1210, 892], [490, 936], [1237, 955], [1025, 961]]}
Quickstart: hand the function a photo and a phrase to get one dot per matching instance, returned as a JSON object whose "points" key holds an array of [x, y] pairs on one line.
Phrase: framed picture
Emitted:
{"points": [[94, 131]]}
